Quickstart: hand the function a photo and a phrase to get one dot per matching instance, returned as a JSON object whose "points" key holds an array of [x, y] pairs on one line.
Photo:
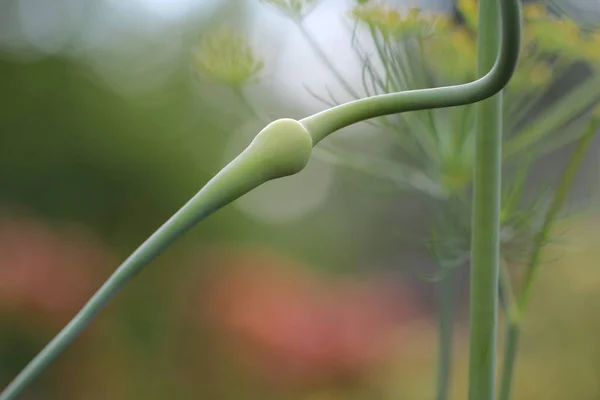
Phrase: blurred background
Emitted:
{"points": [[308, 288]]}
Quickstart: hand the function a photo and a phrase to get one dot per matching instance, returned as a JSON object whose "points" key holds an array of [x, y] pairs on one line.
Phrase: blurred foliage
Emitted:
{"points": [[99, 145], [560, 355], [433, 150], [228, 59], [297, 9], [417, 49]]}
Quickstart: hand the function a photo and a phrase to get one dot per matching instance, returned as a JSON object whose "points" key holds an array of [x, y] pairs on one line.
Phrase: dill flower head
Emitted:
{"points": [[393, 22], [227, 58]]}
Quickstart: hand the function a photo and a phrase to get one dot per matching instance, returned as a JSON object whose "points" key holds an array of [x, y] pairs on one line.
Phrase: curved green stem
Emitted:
{"points": [[282, 148], [326, 122]]}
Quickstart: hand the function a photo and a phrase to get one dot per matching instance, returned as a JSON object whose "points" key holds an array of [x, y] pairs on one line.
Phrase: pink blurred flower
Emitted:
{"points": [[48, 271], [300, 328]]}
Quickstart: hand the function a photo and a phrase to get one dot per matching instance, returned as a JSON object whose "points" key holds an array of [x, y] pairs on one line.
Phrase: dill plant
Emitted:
{"points": [[435, 151], [444, 165]]}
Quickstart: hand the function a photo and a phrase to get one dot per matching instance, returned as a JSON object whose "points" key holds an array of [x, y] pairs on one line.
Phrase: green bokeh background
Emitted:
{"points": [[75, 149]]}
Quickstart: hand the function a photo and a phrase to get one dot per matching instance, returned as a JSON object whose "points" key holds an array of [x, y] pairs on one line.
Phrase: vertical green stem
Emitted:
{"points": [[445, 288], [486, 221], [511, 345]]}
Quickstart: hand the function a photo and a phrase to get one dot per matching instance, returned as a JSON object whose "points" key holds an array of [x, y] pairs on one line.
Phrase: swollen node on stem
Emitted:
{"points": [[283, 147]]}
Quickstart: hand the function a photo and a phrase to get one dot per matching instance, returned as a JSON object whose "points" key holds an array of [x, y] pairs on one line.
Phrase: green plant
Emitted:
{"points": [[284, 147], [436, 149]]}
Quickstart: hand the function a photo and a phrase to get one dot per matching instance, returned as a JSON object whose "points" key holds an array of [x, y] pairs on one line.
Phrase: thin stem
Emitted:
{"points": [[508, 294], [383, 58], [247, 104], [560, 112], [511, 345], [194, 211], [520, 305], [445, 288], [515, 190], [402, 175], [464, 133], [523, 109], [557, 201], [324, 59], [515, 111], [485, 245]]}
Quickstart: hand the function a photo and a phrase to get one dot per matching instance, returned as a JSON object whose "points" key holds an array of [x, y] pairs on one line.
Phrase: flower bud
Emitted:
{"points": [[285, 147]]}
